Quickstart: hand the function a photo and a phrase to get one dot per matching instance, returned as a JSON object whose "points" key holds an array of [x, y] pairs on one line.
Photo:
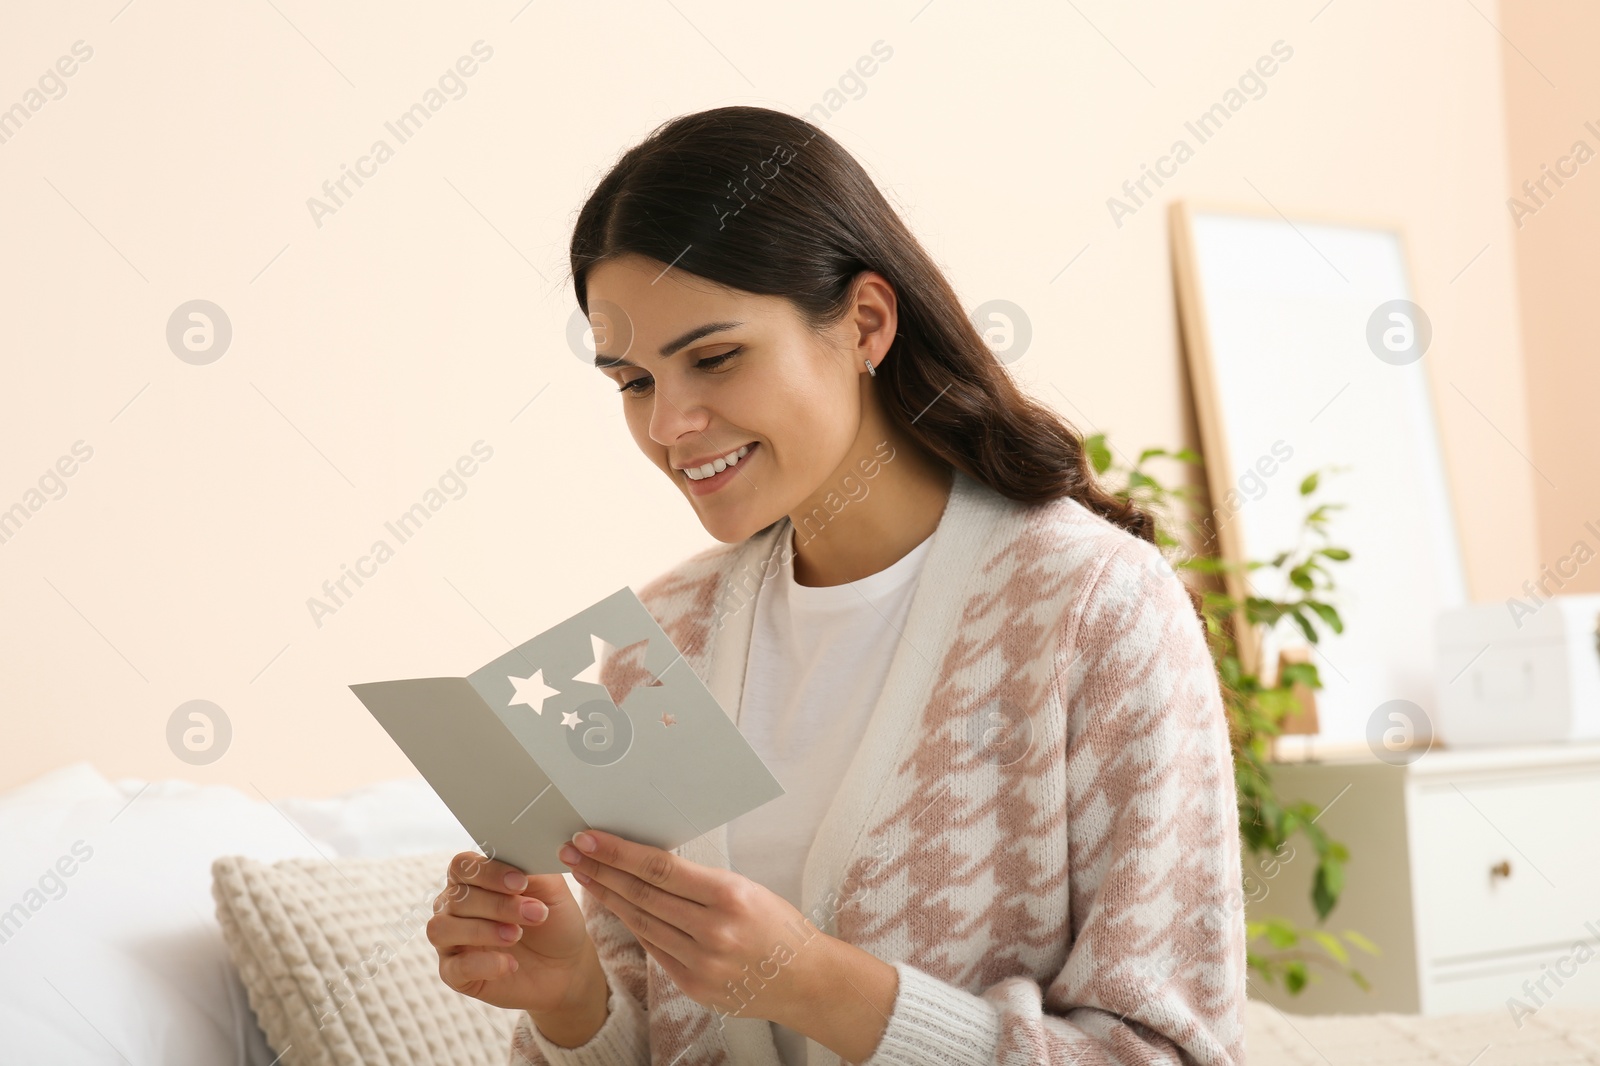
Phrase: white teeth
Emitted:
{"points": [[716, 466]]}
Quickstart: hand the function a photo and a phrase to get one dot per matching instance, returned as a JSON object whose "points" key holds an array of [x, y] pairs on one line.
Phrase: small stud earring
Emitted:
{"points": [[870, 369]]}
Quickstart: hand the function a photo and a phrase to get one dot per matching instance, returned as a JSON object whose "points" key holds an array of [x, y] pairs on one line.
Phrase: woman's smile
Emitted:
{"points": [[701, 484]]}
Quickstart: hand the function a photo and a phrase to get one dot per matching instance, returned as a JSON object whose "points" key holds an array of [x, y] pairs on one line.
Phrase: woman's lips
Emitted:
{"points": [[722, 477]]}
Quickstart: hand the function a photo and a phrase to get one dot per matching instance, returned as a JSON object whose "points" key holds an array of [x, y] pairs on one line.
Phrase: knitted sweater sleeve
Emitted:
{"points": [[623, 1040], [1154, 958]]}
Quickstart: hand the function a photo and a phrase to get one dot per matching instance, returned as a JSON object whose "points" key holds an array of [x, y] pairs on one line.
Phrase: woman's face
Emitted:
{"points": [[706, 371]]}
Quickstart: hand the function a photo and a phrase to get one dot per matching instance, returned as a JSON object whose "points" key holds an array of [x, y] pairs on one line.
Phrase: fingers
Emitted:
{"points": [[617, 889], [478, 909], [653, 866], [466, 901], [447, 931], [653, 921], [467, 965], [470, 868]]}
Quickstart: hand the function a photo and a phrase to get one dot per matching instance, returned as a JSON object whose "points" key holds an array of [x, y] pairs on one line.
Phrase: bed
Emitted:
{"points": [[166, 922]]}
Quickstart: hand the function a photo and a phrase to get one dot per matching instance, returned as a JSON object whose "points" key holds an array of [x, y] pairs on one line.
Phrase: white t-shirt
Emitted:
{"points": [[818, 659]]}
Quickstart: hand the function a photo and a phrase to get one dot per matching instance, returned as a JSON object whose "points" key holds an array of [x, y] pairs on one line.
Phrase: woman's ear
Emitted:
{"points": [[873, 319]]}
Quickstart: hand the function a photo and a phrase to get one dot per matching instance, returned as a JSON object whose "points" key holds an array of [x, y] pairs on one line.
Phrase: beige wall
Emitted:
{"points": [[1552, 103], [372, 351]]}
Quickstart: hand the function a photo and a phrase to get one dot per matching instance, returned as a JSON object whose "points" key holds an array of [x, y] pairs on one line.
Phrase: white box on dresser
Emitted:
{"points": [[1477, 872], [1518, 674]]}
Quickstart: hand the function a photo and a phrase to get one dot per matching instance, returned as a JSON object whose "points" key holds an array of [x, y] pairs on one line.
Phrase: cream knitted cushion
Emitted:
{"points": [[338, 966]]}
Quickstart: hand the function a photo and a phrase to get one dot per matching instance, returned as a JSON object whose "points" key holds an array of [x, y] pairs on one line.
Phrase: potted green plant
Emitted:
{"points": [[1268, 827]]}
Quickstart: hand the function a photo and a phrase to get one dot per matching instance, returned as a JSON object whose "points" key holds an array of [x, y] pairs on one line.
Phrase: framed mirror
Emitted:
{"points": [[1307, 349]]}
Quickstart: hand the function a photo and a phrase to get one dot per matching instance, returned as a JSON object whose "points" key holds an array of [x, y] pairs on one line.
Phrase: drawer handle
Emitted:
{"points": [[1500, 869]]}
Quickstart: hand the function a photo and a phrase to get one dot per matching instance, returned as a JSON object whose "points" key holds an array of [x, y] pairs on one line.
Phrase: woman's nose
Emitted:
{"points": [[673, 416]]}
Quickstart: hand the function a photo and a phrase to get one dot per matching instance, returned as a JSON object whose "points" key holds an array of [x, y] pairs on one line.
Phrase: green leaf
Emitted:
{"points": [[1281, 934], [1328, 615], [1270, 614], [1295, 977], [1099, 454], [1330, 944], [1301, 674], [1326, 886], [1309, 485], [1360, 941], [1277, 704], [1305, 626], [1335, 553]]}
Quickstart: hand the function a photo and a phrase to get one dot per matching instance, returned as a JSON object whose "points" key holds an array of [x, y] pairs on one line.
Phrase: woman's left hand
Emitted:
{"points": [[712, 930]]}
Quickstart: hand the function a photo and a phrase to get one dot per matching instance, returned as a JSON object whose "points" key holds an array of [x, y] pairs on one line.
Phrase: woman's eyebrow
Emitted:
{"points": [[670, 347]]}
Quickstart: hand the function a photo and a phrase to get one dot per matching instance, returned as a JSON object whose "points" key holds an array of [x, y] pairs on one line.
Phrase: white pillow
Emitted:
{"points": [[133, 942], [109, 946], [401, 817], [75, 781]]}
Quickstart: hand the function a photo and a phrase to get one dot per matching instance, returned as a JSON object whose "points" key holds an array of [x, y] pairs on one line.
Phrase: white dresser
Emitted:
{"points": [[1474, 870]]}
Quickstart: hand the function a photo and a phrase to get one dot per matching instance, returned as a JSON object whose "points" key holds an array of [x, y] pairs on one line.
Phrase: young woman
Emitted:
{"points": [[1009, 831]]}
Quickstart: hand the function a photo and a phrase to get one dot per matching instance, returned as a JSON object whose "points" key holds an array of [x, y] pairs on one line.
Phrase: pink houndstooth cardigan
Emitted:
{"points": [[1039, 830]]}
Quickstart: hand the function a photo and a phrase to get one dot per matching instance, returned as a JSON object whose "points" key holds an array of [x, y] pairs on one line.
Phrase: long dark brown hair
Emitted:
{"points": [[767, 203]]}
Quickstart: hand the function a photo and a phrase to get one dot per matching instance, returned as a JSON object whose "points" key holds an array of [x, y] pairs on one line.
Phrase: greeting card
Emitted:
{"points": [[532, 747]]}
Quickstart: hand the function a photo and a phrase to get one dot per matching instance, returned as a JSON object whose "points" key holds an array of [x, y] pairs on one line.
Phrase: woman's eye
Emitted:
{"points": [[639, 385]]}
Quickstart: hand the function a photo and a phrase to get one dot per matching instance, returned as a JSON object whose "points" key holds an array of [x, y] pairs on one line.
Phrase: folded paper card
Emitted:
{"points": [[534, 747]]}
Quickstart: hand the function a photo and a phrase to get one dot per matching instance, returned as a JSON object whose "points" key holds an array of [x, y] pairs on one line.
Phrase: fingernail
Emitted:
{"points": [[533, 910], [516, 882], [510, 932], [569, 856], [584, 841]]}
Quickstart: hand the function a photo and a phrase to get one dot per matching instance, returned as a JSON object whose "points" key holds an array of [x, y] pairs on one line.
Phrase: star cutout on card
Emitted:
{"points": [[570, 720], [626, 668], [668, 719], [531, 690]]}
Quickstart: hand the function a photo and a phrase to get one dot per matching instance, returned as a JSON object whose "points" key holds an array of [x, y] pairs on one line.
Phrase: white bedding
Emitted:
{"points": [[1554, 1036], [121, 960], [109, 945]]}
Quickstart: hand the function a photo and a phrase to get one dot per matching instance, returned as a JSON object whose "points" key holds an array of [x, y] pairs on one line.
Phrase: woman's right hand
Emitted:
{"points": [[519, 948]]}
